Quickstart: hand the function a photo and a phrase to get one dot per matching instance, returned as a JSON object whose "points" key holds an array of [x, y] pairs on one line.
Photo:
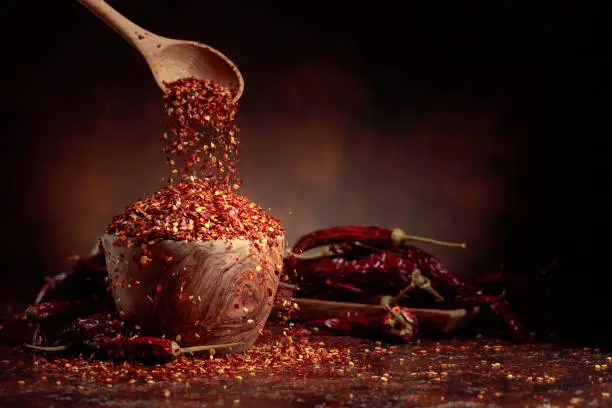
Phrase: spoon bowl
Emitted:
{"points": [[183, 59], [171, 59]]}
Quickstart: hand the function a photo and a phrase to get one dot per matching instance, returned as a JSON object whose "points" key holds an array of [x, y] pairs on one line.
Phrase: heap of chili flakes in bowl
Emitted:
{"points": [[199, 203], [194, 211]]}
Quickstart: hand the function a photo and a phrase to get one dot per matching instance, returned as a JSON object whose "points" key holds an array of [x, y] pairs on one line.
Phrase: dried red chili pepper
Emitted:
{"points": [[395, 324], [88, 328], [338, 272], [15, 329], [87, 278], [386, 270], [433, 268], [346, 250], [383, 238], [513, 324], [430, 266], [449, 303], [145, 349], [496, 277], [63, 309], [379, 272]]}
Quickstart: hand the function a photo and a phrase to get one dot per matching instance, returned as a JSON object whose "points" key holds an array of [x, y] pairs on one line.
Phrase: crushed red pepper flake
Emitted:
{"points": [[289, 353], [200, 202], [214, 214], [202, 139]]}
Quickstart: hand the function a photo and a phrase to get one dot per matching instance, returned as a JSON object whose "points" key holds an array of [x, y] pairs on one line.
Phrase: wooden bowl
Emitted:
{"points": [[204, 291]]}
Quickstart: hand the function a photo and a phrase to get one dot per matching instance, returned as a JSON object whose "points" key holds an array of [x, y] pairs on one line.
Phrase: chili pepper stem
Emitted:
{"points": [[49, 349], [423, 283], [417, 281], [400, 318], [398, 236], [325, 251], [288, 286], [197, 349], [31, 314], [388, 300]]}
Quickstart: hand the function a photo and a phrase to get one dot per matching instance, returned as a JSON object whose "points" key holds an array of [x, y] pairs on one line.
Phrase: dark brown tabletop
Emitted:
{"points": [[322, 371]]}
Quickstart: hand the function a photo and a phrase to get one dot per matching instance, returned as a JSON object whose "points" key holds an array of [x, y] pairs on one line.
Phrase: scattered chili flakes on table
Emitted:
{"points": [[339, 370]]}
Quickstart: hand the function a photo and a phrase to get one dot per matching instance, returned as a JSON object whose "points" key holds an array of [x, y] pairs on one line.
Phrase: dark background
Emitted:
{"points": [[482, 122]]}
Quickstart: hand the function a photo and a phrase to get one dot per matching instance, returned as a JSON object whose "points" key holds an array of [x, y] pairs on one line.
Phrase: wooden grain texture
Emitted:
{"points": [[208, 293], [171, 59]]}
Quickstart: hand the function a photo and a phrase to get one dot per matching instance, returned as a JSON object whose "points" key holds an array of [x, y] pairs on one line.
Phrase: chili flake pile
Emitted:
{"points": [[199, 204], [194, 211], [202, 138]]}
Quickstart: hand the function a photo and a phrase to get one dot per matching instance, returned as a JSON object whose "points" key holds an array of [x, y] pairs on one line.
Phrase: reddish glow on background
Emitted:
{"points": [[479, 124], [305, 154]]}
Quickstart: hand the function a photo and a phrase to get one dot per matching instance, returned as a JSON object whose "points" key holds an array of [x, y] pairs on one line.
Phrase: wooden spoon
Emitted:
{"points": [[430, 321], [171, 59]]}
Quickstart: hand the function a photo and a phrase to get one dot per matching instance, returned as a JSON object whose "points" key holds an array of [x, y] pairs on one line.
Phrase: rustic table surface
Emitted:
{"points": [[293, 371]]}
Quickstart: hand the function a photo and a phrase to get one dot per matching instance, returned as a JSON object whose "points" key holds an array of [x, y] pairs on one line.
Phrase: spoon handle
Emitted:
{"points": [[141, 39]]}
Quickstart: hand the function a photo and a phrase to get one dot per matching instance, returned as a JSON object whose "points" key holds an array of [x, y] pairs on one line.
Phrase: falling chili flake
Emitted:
{"points": [[200, 203], [202, 136], [145, 260]]}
